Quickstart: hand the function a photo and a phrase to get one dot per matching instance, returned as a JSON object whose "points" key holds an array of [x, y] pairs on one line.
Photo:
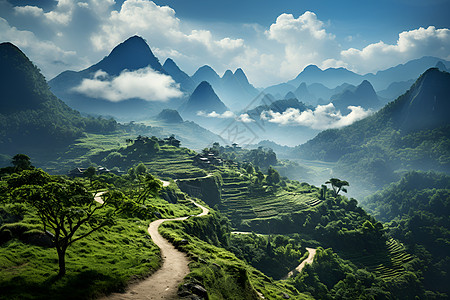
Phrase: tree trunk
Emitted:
{"points": [[61, 261]]}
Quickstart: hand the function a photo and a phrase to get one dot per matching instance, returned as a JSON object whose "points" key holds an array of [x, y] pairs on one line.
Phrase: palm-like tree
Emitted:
{"points": [[338, 185]]}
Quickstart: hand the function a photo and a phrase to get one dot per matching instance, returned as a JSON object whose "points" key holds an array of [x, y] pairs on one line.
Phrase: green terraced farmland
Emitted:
{"points": [[174, 163], [385, 264], [239, 204]]}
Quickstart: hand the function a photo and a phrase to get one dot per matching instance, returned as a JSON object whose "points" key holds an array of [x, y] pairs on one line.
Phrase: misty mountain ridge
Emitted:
{"points": [[169, 116], [186, 83], [203, 99], [363, 95], [409, 133], [233, 88], [333, 77]]}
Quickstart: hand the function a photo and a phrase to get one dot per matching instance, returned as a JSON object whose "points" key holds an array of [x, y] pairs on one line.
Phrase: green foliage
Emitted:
{"points": [[274, 256], [63, 206], [418, 207], [219, 271]]}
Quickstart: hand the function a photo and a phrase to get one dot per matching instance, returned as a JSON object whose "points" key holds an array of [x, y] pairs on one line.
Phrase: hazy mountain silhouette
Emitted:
{"points": [[333, 77], [394, 90], [233, 88], [403, 72], [302, 93], [132, 54], [330, 77], [363, 95], [169, 116], [206, 73], [186, 82], [290, 95], [203, 99]]}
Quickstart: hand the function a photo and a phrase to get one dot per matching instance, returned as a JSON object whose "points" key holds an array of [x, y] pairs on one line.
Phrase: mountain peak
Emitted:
{"points": [[132, 54], [206, 73], [426, 104], [440, 65], [169, 63], [365, 88], [204, 99], [228, 74], [170, 116], [22, 85], [311, 69], [240, 76]]}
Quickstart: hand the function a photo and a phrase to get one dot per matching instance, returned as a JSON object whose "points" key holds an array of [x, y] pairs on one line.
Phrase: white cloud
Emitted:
{"points": [[42, 53], [160, 26], [145, 84], [305, 41], [226, 115], [410, 45], [244, 118], [61, 15], [323, 117]]}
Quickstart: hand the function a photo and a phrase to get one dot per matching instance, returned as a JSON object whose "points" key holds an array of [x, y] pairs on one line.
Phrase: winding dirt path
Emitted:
{"points": [[308, 260], [163, 284]]}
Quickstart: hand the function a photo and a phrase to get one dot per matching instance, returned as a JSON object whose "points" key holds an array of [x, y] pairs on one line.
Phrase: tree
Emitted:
{"points": [[338, 185], [21, 162], [151, 187], [64, 207], [273, 177], [90, 172]]}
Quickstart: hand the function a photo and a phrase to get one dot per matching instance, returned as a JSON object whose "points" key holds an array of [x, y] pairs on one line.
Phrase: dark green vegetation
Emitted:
{"points": [[417, 208], [331, 277], [411, 132], [32, 119], [275, 255], [223, 275]]}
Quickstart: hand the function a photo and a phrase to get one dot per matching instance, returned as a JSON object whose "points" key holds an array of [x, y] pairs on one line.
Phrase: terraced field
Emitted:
{"points": [[385, 265], [176, 163], [239, 204]]}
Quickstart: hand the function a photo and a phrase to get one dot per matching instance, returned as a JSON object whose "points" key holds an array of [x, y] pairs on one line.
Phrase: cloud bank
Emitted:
{"points": [[145, 84], [226, 115], [321, 118], [74, 34]]}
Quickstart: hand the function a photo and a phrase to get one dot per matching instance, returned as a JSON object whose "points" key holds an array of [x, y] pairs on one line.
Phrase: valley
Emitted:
{"points": [[331, 185]]}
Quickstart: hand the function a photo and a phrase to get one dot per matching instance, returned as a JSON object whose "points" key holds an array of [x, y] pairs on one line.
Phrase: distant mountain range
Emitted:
{"points": [[411, 132], [134, 54], [363, 95], [317, 81], [233, 88]]}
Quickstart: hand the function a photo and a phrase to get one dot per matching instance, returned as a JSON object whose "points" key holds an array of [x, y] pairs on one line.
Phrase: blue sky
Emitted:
{"points": [[271, 40]]}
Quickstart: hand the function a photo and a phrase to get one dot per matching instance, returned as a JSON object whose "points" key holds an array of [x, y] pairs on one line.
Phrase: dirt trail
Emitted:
{"points": [[308, 260], [163, 284], [98, 198]]}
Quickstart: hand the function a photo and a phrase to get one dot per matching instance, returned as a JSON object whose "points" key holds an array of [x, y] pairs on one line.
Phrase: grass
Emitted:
{"points": [[104, 262]]}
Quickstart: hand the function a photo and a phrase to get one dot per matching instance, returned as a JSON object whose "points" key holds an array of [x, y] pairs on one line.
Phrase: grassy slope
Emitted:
{"points": [[101, 263]]}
